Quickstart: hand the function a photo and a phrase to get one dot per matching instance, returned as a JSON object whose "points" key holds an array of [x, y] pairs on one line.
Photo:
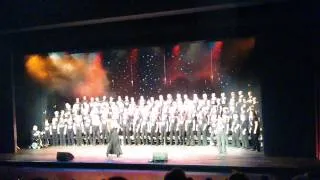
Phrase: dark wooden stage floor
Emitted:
{"points": [[200, 159], [177, 155], [206, 156]]}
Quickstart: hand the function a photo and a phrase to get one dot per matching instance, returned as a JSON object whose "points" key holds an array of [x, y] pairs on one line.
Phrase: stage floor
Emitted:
{"points": [[177, 155], [187, 155]]}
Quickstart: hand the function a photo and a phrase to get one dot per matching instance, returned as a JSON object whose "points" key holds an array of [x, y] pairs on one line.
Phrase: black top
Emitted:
{"points": [[245, 125], [256, 122], [235, 124]]}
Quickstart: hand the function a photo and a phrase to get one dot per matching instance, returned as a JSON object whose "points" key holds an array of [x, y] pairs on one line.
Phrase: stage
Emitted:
{"points": [[193, 159], [187, 156], [177, 155]]}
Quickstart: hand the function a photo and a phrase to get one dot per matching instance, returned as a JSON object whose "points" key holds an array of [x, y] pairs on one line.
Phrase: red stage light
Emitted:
{"points": [[176, 50]]}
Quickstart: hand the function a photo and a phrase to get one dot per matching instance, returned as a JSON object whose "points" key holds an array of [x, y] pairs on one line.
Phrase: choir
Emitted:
{"points": [[222, 121]]}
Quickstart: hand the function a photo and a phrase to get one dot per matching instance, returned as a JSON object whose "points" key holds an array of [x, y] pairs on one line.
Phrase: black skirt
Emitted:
{"points": [[114, 143]]}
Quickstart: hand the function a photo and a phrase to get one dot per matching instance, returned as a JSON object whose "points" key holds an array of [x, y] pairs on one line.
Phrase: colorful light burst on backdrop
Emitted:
{"points": [[189, 67]]}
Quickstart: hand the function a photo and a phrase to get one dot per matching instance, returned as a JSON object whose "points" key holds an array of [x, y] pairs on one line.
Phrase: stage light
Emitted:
{"points": [[176, 50]]}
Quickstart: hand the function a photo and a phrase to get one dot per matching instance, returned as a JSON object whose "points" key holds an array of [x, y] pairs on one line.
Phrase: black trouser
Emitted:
{"points": [[212, 137], [136, 135], [244, 141], [190, 137], [46, 138], [157, 136], [153, 135], [221, 137], [204, 137], [199, 133], [55, 138], [235, 139], [172, 132], [179, 137], [62, 137], [144, 131], [95, 135], [126, 135], [88, 136], [227, 138], [70, 138], [163, 135], [79, 136], [255, 142], [105, 134]]}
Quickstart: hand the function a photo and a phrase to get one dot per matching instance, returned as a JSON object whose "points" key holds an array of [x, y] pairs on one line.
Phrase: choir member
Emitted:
{"points": [[92, 103], [226, 117], [189, 130], [163, 128], [213, 98], [79, 129], [84, 99], [104, 127], [244, 130], [46, 137], [250, 98], [199, 128], [236, 130], [221, 135], [181, 116], [223, 99], [126, 101], [96, 125], [126, 126], [139, 114], [169, 99], [76, 107], [87, 129], [85, 108], [154, 115], [205, 122], [255, 132], [120, 105], [213, 122], [144, 127], [171, 110], [54, 129], [62, 129], [70, 132]]}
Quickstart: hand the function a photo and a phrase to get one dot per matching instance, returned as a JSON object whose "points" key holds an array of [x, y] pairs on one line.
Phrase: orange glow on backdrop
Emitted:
{"points": [[95, 81], [69, 75], [37, 68]]}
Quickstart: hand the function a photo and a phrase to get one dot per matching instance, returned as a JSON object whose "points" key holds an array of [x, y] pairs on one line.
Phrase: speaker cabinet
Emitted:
{"points": [[160, 157], [64, 156]]}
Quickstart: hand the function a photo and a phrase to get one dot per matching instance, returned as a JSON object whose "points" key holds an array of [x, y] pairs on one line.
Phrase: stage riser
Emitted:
{"points": [[149, 141]]}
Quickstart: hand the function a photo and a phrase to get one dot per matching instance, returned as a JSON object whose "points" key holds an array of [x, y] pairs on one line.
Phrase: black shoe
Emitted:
{"points": [[118, 155]]}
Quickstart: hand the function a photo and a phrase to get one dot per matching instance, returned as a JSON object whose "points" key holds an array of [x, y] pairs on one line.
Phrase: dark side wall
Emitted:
{"points": [[7, 119], [288, 82]]}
